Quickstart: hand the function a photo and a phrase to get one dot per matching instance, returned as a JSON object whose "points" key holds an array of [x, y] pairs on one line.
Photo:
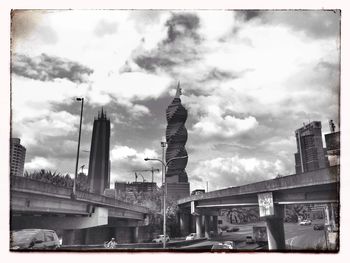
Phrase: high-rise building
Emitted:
{"points": [[99, 170], [18, 156], [311, 155], [333, 145], [176, 138]]}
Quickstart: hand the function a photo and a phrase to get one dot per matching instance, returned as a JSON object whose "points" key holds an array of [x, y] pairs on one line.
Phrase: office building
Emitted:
{"points": [[17, 157], [99, 164], [310, 152], [176, 138]]}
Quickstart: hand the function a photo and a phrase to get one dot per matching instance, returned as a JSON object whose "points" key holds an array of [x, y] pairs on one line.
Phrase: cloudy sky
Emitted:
{"points": [[249, 80]]}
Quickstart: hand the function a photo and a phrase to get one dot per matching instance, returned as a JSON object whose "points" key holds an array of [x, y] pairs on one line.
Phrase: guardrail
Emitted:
{"points": [[318, 177], [20, 183], [132, 246]]}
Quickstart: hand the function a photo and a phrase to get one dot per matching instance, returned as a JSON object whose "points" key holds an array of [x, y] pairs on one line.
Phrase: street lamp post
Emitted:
{"points": [[163, 144], [165, 165], [78, 150]]}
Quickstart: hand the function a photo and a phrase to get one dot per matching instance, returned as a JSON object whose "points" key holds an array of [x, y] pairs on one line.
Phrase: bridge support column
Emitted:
{"points": [[68, 237], [199, 225], [206, 226], [136, 234], [275, 229], [184, 224], [215, 225]]}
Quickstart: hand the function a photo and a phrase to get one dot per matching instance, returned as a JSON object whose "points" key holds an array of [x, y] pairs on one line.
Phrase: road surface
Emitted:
{"points": [[297, 237]]}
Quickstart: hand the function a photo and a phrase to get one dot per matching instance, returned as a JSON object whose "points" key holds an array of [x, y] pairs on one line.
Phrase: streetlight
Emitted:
{"points": [[163, 144], [77, 161], [165, 165]]}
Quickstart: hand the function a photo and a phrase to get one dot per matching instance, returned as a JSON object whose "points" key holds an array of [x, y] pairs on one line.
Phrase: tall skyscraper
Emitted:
{"points": [[98, 174], [18, 156], [311, 155], [176, 138]]}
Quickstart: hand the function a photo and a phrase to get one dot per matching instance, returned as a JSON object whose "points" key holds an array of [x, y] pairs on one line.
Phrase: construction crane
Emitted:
{"points": [[143, 178], [152, 170]]}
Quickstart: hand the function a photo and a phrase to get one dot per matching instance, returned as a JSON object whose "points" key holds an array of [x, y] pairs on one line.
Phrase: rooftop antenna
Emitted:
{"points": [[178, 91]]}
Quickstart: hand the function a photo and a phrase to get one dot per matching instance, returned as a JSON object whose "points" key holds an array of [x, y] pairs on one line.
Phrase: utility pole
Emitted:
{"points": [[78, 149]]}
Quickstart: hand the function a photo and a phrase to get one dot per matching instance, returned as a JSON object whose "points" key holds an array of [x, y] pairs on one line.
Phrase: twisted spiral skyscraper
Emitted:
{"points": [[176, 137]]}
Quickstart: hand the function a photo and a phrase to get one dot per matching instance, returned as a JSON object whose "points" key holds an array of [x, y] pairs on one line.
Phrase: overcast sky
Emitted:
{"points": [[249, 80]]}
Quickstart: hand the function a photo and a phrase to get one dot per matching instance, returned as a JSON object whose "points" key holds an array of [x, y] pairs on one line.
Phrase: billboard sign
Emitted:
{"points": [[266, 204]]}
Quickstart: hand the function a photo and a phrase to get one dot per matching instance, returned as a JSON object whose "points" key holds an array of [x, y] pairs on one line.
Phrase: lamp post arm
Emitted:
{"points": [[175, 158], [153, 159]]}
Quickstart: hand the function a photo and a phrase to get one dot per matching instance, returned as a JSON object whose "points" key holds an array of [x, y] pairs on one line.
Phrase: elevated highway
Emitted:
{"points": [[319, 186], [36, 204]]}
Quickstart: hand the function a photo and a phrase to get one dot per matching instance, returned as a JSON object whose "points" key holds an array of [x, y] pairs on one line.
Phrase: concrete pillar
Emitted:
{"points": [[136, 234], [206, 226], [68, 237], [215, 225], [275, 229], [199, 225], [184, 224]]}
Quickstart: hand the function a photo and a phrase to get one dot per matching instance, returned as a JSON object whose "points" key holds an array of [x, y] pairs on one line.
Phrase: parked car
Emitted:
{"points": [[191, 236], [306, 222], [318, 226], [160, 238], [34, 239]]}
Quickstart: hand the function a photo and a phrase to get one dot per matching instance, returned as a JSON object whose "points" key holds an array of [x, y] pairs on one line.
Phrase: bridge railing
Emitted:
{"points": [[20, 183], [317, 177]]}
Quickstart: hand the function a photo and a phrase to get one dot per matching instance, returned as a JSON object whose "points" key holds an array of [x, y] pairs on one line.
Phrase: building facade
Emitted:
{"points": [[138, 187], [333, 147], [176, 138], [17, 157], [310, 152], [99, 164]]}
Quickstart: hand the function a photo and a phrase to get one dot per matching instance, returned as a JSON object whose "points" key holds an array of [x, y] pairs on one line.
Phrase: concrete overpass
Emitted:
{"points": [[88, 218], [319, 186]]}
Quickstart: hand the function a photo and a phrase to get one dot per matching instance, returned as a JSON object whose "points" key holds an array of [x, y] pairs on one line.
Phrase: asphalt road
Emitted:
{"points": [[297, 237], [304, 237]]}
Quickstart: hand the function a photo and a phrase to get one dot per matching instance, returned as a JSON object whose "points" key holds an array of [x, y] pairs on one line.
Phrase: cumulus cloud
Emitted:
{"points": [[216, 126], [234, 171], [181, 45], [125, 68], [315, 24], [48, 68], [129, 86], [105, 28], [52, 124], [126, 159], [219, 75], [249, 14], [39, 163], [120, 153], [182, 25]]}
